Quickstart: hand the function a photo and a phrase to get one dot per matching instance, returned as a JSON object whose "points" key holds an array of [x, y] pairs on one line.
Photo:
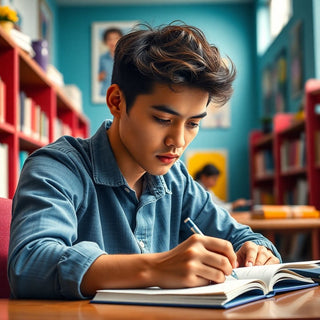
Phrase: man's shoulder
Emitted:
{"points": [[64, 149]]}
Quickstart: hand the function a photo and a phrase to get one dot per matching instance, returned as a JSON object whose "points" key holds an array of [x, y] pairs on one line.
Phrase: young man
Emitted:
{"points": [[109, 211]]}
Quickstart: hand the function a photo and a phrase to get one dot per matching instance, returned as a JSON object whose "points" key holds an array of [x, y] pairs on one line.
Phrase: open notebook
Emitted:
{"points": [[253, 283]]}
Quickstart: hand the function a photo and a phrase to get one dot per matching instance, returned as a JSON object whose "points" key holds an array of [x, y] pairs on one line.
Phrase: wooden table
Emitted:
{"points": [[272, 226], [301, 304]]}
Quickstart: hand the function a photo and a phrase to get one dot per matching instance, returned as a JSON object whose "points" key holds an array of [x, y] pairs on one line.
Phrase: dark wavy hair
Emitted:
{"points": [[174, 55]]}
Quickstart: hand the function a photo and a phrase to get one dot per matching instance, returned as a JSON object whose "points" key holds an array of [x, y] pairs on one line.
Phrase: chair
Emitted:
{"points": [[5, 219]]}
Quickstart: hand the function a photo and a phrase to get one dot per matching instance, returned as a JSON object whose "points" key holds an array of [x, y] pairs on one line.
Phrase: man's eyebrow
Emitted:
{"points": [[167, 109]]}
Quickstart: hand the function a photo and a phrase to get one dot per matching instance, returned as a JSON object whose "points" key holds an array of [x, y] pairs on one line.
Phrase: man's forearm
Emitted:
{"points": [[118, 271]]}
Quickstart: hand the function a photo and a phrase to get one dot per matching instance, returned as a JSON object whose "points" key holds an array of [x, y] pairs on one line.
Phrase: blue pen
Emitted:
{"points": [[194, 228]]}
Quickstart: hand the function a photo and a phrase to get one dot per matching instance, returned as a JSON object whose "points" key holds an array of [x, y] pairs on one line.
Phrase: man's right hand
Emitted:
{"points": [[197, 261]]}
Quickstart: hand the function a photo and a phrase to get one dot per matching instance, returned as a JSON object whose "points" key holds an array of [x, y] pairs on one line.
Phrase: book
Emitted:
{"points": [[284, 211], [253, 283], [3, 92], [23, 41], [4, 166]]}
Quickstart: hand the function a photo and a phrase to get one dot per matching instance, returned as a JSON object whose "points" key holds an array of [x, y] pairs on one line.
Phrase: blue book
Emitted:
{"points": [[253, 283]]}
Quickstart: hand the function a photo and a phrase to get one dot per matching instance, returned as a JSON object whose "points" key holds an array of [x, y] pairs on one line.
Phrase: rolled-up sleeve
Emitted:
{"points": [[46, 259]]}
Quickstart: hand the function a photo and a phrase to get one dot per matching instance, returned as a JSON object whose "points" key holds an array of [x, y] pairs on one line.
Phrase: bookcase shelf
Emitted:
{"points": [[293, 153], [31, 110]]}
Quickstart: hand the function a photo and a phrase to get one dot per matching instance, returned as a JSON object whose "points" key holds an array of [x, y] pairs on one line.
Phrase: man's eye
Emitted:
{"points": [[162, 121], [193, 124]]}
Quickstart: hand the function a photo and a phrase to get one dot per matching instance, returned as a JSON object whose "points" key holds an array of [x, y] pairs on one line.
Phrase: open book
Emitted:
{"points": [[253, 283]]}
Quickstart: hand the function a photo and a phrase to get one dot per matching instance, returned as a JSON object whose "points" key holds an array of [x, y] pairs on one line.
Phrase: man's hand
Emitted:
{"points": [[251, 254], [195, 262]]}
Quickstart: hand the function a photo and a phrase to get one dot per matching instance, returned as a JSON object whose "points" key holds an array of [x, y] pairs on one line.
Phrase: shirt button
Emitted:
{"points": [[141, 244], [127, 189]]}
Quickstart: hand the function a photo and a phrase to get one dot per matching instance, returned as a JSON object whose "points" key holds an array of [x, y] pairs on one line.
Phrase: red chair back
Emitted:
{"points": [[5, 219]]}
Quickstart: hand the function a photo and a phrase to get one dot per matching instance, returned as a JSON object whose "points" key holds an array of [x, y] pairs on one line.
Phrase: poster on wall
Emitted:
{"points": [[297, 60], [104, 36], [217, 117], [196, 159], [280, 82], [267, 92]]}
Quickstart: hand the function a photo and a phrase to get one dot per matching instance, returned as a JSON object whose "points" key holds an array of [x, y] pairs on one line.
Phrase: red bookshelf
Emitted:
{"points": [[48, 105], [312, 98], [262, 167], [295, 152]]}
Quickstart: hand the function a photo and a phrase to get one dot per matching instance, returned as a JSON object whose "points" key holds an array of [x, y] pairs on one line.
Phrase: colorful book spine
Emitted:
{"points": [[4, 168], [2, 101]]}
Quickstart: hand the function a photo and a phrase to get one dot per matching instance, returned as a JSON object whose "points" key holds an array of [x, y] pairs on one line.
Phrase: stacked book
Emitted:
{"points": [[23, 41]]}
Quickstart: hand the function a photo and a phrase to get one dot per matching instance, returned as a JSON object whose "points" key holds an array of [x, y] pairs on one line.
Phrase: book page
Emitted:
{"points": [[226, 289], [267, 272]]}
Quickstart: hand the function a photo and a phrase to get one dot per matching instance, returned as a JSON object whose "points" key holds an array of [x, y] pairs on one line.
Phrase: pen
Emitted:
{"points": [[194, 228]]}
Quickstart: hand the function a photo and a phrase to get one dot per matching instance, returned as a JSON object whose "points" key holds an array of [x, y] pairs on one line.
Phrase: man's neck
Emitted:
{"points": [[127, 165]]}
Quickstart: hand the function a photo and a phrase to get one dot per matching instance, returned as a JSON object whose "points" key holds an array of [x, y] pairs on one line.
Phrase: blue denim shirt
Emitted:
{"points": [[72, 205]]}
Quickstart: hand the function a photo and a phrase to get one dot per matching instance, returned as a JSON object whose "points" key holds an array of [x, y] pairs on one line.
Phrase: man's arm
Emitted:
{"points": [[195, 262]]}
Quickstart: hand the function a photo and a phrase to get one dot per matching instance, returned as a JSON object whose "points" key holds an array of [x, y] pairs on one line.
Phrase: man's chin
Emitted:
{"points": [[160, 171]]}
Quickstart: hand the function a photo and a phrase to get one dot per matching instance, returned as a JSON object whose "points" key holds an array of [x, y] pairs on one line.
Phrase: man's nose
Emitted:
{"points": [[176, 137]]}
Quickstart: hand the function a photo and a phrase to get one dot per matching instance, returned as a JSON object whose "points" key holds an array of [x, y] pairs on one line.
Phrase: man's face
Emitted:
{"points": [[160, 126]]}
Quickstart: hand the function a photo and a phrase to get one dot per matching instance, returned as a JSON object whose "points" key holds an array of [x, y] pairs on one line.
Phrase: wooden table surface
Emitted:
{"points": [[301, 304]]}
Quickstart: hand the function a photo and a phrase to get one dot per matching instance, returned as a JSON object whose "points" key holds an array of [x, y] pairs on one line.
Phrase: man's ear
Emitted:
{"points": [[115, 100]]}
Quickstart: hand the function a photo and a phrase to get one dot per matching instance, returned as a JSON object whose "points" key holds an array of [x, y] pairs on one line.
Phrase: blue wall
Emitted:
{"points": [[230, 27]]}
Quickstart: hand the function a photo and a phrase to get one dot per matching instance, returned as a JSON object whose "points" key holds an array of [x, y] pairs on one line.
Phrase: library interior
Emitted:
{"points": [[56, 59]]}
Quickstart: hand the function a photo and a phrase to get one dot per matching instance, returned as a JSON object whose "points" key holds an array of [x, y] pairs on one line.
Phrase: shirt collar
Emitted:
{"points": [[105, 167]]}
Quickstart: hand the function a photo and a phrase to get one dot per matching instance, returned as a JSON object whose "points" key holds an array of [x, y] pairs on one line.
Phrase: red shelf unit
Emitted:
{"points": [[312, 97], [19, 72], [262, 167], [295, 154]]}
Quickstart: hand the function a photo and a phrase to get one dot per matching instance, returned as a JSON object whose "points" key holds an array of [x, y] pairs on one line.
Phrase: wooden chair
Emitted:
{"points": [[5, 219]]}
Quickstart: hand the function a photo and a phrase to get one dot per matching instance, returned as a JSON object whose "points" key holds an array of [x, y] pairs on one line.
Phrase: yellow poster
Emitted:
{"points": [[196, 159]]}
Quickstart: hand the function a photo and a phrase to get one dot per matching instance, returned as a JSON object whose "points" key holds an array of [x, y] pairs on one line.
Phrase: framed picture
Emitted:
{"points": [[45, 24], [280, 82], [104, 36], [297, 72], [267, 92]]}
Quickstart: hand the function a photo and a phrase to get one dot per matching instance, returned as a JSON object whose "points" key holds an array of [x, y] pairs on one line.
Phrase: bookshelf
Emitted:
{"points": [[285, 164], [33, 111]]}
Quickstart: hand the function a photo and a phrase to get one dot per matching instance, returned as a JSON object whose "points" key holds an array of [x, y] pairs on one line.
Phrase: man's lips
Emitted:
{"points": [[168, 158]]}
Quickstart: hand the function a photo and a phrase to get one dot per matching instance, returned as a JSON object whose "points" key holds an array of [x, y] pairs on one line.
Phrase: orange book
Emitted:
{"points": [[284, 211]]}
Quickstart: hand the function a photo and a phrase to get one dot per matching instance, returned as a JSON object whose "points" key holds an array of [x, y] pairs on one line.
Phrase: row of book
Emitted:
{"points": [[4, 179], [263, 196], [61, 129], [264, 163], [293, 154], [32, 119], [2, 101], [298, 194]]}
